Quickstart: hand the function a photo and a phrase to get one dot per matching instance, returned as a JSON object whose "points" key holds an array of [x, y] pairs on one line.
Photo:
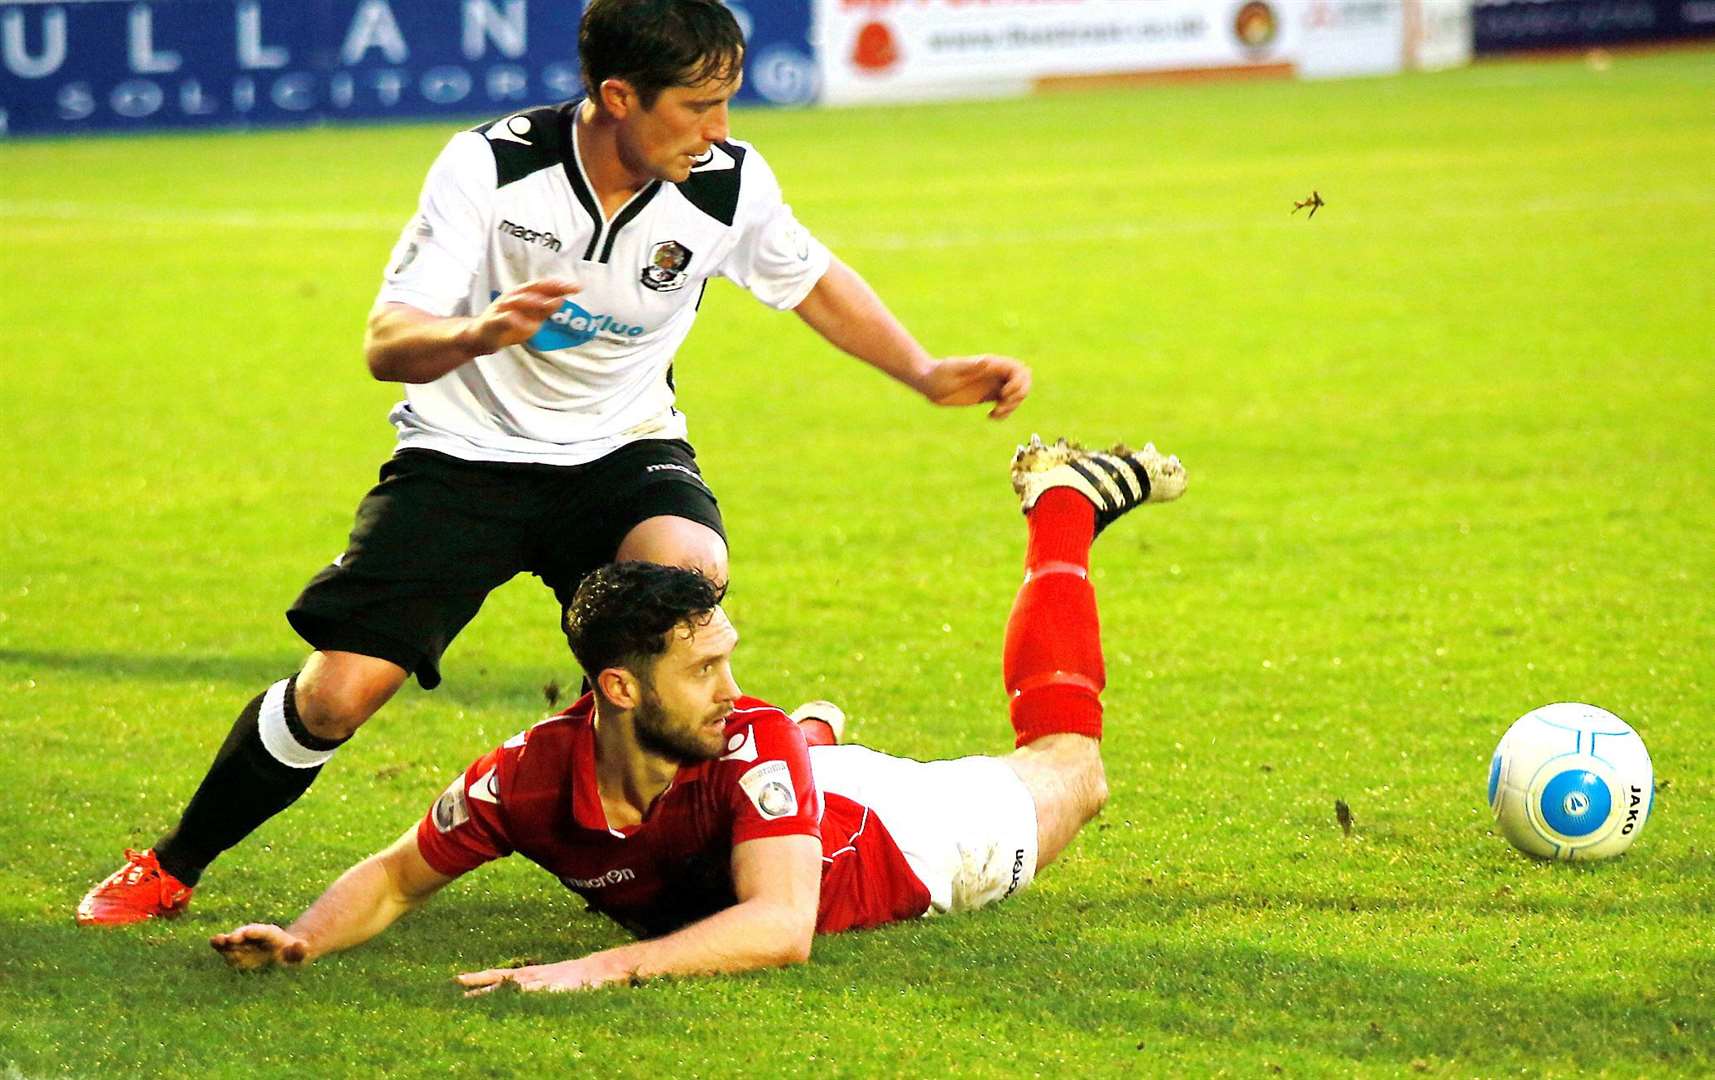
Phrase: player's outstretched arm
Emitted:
{"points": [[848, 313], [778, 882], [409, 345], [366, 900]]}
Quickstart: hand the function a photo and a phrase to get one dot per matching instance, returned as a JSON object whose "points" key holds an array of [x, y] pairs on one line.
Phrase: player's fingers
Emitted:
{"points": [[1013, 392], [486, 982], [532, 305], [242, 957], [547, 290], [239, 935], [553, 286]]}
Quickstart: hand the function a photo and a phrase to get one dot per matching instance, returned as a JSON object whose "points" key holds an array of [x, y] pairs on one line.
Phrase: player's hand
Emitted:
{"points": [[585, 973], [971, 380], [516, 314], [259, 945]]}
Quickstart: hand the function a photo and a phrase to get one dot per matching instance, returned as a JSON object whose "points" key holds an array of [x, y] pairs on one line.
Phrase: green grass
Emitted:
{"points": [[1451, 449]]}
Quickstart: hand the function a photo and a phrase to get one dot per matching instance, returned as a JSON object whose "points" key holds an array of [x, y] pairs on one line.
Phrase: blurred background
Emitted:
{"points": [[130, 65]]}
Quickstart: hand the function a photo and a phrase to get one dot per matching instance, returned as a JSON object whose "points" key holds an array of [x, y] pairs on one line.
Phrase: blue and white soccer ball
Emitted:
{"points": [[1571, 781]]}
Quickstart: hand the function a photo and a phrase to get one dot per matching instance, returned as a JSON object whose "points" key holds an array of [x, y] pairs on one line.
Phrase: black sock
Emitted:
{"points": [[248, 783]]}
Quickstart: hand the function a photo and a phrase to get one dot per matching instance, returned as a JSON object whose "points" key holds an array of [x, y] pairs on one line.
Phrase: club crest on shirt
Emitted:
{"points": [[451, 810], [666, 269], [769, 787]]}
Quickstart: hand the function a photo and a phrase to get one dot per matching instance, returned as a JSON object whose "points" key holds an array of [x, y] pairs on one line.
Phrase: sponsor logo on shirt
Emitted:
{"points": [[572, 326], [612, 877], [666, 269], [530, 236], [769, 788]]}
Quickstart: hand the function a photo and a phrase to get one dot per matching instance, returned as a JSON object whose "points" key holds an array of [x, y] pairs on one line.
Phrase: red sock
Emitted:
{"points": [[1053, 660], [817, 732]]}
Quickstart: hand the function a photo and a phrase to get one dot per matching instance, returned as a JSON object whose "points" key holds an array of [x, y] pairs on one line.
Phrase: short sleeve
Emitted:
{"points": [[775, 794], [776, 258], [443, 245], [464, 828]]}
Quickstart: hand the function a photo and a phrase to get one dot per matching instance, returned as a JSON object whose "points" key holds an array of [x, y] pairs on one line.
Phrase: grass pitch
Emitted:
{"points": [[1450, 448]]}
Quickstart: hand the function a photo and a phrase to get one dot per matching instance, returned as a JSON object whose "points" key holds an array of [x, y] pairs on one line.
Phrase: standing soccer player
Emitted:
{"points": [[533, 308]]}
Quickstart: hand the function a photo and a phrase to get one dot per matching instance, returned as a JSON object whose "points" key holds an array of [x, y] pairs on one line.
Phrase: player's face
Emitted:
{"points": [[666, 140], [691, 693]]}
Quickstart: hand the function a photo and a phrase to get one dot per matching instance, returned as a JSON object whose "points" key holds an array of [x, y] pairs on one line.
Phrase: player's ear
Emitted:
{"points": [[620, 687], [618, 97]]}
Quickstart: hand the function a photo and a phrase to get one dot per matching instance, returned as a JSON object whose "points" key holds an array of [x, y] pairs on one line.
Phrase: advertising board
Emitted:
{"points": [[148, 64]]}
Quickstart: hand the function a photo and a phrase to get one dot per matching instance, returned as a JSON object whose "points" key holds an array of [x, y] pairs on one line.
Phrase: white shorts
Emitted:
{"points": [[967, 827]]}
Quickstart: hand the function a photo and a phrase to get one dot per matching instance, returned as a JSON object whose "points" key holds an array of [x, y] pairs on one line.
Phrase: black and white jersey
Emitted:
{"points": [[508, 202]]}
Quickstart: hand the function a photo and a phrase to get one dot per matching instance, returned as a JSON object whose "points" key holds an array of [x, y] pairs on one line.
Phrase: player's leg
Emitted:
{"points": [[274, 753], [1053, 656], [676, 541], [822, 723], [275, 750], [430, 541], [645, 502]]}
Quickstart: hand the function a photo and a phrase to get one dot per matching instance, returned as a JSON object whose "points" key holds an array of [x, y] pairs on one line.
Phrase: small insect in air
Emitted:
{"points": [[1313, 202]]}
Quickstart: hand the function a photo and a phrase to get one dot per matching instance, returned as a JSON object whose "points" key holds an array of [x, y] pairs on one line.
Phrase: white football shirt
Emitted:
{"points": [[508, 202]]}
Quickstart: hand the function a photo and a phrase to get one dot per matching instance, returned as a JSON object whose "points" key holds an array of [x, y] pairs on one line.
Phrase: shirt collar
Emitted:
{"points": [[587, 810]]}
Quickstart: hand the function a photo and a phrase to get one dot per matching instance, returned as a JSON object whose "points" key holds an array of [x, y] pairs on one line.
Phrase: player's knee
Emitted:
{"points": [[333, 701], [704, 551], [331, 715], [1096, 789], [711, 563], [674, 541], [1088, 780]]}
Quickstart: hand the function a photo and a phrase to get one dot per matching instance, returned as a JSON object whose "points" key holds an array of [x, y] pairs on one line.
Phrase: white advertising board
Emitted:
{"points": [[1438, 34], [1380, 37], [1350, 37], [894, 50]]}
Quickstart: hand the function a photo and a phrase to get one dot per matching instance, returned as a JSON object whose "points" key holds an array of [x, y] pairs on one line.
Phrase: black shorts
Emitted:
{"points": [[437, 534]]}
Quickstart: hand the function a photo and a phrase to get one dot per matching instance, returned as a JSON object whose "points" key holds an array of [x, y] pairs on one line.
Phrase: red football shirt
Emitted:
{"points": [[536, 795]]}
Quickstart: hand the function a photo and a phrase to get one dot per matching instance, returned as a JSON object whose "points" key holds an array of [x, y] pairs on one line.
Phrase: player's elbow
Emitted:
{"points": [[381, 361], [794, 949], [794, 936]]}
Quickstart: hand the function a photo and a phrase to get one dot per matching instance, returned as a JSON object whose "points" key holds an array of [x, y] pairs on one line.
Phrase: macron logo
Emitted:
{"points": [[612, 877], [530, 236]]}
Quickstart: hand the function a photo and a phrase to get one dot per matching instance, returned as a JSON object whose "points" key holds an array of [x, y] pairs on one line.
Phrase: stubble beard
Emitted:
{"points": [[657, 734]]}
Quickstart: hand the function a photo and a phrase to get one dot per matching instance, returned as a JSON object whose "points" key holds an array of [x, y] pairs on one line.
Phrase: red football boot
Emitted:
{"points": [[136, 891]]}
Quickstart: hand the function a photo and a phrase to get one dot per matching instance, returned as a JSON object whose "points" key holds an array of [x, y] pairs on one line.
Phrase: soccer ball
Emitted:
{"points": [[1571, 781]]}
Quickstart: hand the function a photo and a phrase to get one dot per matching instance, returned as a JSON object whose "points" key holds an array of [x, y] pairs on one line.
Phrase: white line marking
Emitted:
{"points": [[119, 215], [126, 214]]}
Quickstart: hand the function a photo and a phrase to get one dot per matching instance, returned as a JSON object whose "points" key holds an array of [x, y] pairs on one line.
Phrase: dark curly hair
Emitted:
{"points": [[655, 44], [621, 614]]}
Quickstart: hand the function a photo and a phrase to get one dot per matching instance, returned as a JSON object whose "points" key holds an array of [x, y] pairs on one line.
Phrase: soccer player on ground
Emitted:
{"points": [[533, 308], [703, 821]]}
